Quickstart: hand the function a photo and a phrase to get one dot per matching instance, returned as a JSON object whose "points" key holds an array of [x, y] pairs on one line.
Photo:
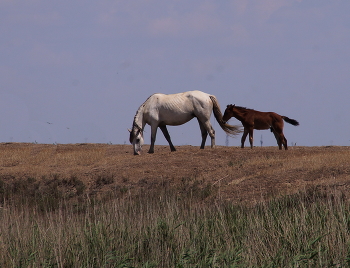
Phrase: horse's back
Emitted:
{"points": [[188, 94], [179, 108], [185, 99]]}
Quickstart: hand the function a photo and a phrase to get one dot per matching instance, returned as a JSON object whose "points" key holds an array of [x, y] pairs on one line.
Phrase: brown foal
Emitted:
{"points": [[252, 119]]}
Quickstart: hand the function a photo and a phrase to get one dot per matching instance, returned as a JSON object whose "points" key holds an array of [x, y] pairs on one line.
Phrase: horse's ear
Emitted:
{"points": [[129, 130]]}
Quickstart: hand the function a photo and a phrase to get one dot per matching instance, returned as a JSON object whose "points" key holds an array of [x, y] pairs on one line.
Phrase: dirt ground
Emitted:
{"points": [[230, 173]]}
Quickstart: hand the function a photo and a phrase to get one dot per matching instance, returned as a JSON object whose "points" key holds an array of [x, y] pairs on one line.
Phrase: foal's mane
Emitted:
{"points": [[243, 108]]}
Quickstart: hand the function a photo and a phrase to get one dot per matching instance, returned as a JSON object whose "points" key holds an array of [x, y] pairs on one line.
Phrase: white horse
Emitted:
{"points": [[160, 110]]}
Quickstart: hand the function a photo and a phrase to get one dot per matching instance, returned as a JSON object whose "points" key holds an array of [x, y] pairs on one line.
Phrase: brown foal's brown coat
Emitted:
{"points": [[252, 119]]}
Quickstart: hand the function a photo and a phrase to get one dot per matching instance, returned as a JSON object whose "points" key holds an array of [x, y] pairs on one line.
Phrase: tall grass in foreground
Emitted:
{"points": [[309, 229]]}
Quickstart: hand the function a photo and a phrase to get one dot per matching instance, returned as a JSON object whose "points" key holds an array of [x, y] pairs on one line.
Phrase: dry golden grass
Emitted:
{"points": [[237, 174], [98, 205]]}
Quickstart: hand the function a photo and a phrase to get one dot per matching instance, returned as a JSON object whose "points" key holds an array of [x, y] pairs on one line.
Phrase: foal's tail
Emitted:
{"points": [[290, 121], [230, 130]]}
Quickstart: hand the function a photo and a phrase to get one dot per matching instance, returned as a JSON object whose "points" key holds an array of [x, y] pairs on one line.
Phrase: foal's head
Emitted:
{"points": [[228, 113]]}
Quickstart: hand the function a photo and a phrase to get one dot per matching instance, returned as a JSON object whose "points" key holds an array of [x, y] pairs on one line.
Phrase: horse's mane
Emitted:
{"points": [[134, 124], [141, 108]]}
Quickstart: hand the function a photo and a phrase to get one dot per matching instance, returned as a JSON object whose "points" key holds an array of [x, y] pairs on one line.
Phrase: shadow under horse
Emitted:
{"points": [[252, 119]]}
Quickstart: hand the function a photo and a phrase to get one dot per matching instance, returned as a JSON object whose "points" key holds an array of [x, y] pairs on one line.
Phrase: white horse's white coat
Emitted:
{"points": [[160, 110]]}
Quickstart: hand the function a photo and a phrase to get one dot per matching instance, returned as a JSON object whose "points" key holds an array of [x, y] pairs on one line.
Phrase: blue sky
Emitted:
{"points": [[77, 71]]}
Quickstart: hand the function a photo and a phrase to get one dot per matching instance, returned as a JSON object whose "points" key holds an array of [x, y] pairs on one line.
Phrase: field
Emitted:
{"points": [[238, 175], [98, 205]]}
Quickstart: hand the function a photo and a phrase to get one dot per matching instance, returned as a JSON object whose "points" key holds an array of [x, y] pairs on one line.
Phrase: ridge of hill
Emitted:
{"points": [[227, 173]]}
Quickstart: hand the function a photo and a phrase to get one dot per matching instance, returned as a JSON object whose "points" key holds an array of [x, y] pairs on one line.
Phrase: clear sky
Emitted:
{"points": [[76, 71]]}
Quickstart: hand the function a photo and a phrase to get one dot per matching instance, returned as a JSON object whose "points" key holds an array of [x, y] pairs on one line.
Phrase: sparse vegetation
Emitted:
{"points": [[77, 206]]}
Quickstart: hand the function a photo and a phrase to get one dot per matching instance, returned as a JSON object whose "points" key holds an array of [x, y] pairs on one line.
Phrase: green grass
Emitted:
{"points": [[168, 227]]}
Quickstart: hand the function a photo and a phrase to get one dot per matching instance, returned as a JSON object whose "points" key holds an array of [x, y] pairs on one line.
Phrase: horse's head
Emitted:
{"points": [[136, 139], [228, 113]]}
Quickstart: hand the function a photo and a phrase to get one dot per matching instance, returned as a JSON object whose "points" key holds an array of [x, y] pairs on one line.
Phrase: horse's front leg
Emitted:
{"points": [[153, 139], [167, 137]]}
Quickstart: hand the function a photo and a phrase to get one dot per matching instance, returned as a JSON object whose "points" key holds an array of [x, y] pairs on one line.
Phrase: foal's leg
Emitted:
{"points": [[245, 133], [278, 138], [167, 137], [251, 137], [278, 131], [284, 141]]}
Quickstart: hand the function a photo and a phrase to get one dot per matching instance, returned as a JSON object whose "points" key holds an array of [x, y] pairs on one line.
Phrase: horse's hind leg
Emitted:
{"points": [[205, 129], [167, 137], [204, 133]]}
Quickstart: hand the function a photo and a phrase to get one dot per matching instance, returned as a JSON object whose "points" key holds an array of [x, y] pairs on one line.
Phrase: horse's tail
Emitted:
{"points": [[290, 121], [230, 130]]}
